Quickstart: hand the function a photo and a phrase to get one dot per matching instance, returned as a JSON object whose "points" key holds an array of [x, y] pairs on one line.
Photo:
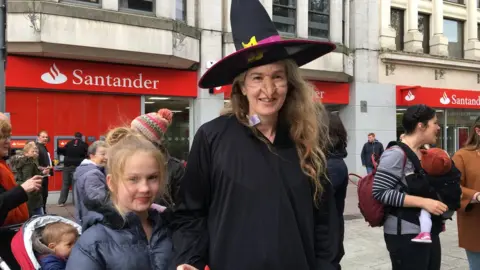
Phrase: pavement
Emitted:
{"points": [[364, 246]]}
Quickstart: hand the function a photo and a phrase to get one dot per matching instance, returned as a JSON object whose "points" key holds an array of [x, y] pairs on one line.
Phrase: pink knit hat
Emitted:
{"points": [[153, 125]]}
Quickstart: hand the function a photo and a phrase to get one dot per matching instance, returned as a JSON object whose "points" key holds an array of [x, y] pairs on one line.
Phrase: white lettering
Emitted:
{"points": [[466, 101], [77, 73], [133, 82]]}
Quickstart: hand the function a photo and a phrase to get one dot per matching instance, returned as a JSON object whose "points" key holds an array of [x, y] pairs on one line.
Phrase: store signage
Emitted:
{"points": [[326, 92], [437, 97], [58, 74]]}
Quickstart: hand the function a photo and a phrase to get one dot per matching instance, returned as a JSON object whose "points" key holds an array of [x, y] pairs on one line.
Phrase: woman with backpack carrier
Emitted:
{"points": [[405, 189]]}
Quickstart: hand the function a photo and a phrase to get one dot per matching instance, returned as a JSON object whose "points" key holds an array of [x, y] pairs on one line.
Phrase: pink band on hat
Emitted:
{"points": [[270, 39]]}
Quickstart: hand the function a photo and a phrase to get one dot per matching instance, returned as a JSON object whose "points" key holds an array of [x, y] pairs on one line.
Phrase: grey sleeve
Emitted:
{"points": [[388, 176]]}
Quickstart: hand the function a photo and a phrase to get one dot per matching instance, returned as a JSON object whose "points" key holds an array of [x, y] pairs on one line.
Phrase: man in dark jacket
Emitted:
{"points": [[372, 148], [75, 151], [44, 161]]}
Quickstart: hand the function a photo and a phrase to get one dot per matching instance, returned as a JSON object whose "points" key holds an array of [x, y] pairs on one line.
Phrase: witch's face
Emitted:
{"points": [[266, 88]]}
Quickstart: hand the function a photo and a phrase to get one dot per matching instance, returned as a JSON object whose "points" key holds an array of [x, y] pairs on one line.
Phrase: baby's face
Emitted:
{"points": [[64, 246]]}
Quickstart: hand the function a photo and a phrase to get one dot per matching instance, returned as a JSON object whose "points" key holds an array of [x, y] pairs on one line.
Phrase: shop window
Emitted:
{"points": [[177, 136], [319, 18], [453, 30], [85, 1], [424, 28], [285, 16], [181, 10], [140, 5], [397, 20], [456, 1]]}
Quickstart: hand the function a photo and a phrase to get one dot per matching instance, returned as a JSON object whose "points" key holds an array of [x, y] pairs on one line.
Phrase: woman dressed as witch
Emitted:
{"points": [[254, 194]]}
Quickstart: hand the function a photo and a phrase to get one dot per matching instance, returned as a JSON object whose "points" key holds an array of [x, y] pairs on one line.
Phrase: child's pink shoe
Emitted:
{"points": [[423, 237]]}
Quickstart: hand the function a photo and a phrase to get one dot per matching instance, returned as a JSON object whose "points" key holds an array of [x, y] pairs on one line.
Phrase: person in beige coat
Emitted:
{"points": [[468, 216]]}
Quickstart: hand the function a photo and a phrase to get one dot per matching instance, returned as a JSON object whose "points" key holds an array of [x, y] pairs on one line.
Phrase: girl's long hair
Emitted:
{"points": [[473, 141], [305, 117]]}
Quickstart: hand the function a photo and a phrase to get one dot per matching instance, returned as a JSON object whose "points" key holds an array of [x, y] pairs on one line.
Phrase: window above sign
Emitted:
{"points": [[137, 5], [285, 16]]}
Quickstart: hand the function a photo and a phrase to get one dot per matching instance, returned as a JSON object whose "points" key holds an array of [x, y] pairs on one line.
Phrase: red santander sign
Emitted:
{"points": [[437, 97], [71, 75], [327, 92]]}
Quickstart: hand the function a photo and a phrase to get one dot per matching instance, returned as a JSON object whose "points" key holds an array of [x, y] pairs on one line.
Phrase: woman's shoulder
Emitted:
{"points": [[464, 152]]}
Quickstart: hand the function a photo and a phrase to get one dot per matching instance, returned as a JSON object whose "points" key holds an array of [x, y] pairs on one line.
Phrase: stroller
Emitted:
{"points": [[22, 242]]}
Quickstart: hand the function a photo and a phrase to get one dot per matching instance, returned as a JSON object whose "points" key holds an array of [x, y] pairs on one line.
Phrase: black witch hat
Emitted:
{"points": [[258, 43]]}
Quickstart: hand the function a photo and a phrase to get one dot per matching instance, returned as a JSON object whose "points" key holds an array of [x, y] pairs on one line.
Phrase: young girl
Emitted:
{"points": [[26, 166], [125, 233]]}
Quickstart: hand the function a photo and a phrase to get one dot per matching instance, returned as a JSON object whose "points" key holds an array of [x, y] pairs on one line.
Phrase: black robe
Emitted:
{"points": [[243, 206]]}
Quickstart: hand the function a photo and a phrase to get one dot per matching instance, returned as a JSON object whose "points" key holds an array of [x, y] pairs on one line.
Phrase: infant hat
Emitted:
{"points": [[153, 125], [436, 162]]}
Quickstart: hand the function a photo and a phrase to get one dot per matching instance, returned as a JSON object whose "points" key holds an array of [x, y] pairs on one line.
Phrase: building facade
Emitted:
{"points": [[409, 52], [87, 65]]}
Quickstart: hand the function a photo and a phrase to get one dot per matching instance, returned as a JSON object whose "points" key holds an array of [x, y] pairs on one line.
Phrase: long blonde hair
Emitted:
{"points": [[124, 142], [305, 117]]}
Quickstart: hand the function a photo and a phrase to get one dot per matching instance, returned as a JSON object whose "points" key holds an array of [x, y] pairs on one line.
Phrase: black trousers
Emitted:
{"points": [[408, 255], [45, 193], [67, 181]]}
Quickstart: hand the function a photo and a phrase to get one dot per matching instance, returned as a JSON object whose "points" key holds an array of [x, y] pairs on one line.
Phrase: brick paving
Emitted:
{"points": [[364, 246]]}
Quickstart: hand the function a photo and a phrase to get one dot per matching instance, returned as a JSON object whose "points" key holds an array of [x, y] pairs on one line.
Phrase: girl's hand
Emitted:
{"points": [[158, 207], [186, 267]]}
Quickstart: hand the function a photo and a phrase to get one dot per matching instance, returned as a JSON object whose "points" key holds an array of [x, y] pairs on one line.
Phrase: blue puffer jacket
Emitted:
{"points": [[111, 242], [90, 188]]}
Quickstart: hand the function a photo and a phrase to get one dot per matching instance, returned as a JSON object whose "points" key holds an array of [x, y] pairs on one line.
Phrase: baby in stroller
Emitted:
{"points": [[55, 244], [45, 242]]}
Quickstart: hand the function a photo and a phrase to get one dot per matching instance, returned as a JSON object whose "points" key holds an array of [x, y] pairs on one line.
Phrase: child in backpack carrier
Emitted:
{"points": [[54, 243], [435, 162]]}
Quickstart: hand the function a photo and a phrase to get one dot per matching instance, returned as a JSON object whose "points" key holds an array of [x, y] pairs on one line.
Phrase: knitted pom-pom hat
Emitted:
{"points": [[153, 125]]}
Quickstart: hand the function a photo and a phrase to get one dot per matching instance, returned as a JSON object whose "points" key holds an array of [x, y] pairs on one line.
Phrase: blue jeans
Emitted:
{"points": [[473, 260], [369, 170]]}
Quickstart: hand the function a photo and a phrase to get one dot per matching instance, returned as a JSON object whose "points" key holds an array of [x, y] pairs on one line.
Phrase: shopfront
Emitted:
{"points": [[66, 96], [334, 95], [457, 110]]}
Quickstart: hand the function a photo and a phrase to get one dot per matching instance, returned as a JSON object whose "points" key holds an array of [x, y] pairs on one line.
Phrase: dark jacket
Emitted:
{"points": [[52, 262], [26, 168], [90, 188], [43, 156], [75, 151], [175, 172], [9, 200], [111, 242], [371, 148], [338, 175]]}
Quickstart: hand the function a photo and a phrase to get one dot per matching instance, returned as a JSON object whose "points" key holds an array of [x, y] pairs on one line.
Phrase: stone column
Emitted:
{"points": [[110, 4], [210, 14], [302, 18], [472, 48], [268, 4], [413, 37], [335, 25], [191, 11], [438, 42], [387, 33], [165, 9], [227, 27]]}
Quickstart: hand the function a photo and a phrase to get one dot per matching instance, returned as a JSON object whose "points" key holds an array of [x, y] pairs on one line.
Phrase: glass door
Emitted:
{"points": [[458, 126]]}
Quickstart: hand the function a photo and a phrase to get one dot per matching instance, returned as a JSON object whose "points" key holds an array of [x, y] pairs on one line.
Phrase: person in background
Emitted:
{"points": [[45, 162], [153, 126], [467, 160], [26, 166], [338, 172], [372, 148], [13, 209], [90, 185], [75, 151]]}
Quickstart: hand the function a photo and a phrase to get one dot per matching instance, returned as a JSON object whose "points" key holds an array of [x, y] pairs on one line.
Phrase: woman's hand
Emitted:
{"points": [[186, 267], [434, 207], [33, 184]]}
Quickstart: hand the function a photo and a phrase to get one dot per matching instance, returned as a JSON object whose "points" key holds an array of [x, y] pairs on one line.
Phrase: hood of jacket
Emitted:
{"points": [[18, 161], [109, 216], [340, 153], [86, 166]]}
